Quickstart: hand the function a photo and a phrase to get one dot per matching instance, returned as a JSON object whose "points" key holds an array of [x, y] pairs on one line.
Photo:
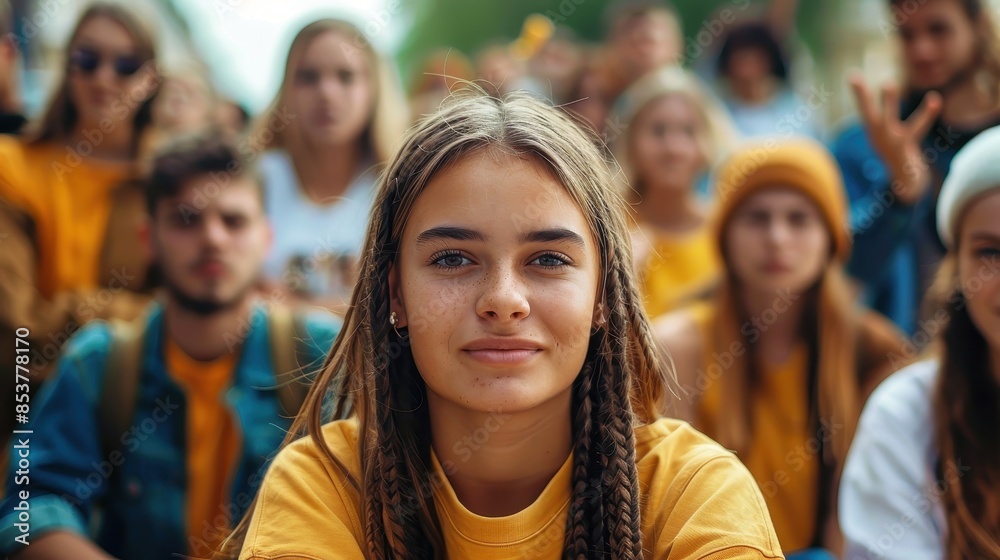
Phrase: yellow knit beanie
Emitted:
{"points": [[801, 164]]}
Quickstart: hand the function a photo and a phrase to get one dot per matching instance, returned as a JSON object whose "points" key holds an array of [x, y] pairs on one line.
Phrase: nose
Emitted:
{"points": [[504, 298], [214, 231], [778, 231], [105, 73], [675, 144], [922, 49], [329, 89]]}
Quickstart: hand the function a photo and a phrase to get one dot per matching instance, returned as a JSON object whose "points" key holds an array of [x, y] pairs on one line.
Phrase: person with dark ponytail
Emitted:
{"points": [[922, 479], [506, 386]]}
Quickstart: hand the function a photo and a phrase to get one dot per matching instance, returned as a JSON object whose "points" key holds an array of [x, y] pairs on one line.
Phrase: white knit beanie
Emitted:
{"points": [[974, 171]]}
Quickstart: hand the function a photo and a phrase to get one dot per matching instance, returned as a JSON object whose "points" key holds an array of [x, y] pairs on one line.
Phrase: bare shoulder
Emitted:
{"points": [[679, 339], [679, 333], [642, 245]]}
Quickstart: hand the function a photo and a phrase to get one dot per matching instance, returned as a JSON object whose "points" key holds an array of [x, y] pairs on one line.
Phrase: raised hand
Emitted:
{"points": [[898, 141]]}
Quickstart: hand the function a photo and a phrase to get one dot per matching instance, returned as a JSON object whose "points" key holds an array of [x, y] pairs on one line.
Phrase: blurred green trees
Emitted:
{"points": [[468, 25]]}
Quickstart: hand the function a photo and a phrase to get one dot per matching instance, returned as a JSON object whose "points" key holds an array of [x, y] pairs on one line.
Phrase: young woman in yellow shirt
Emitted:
{"points": [[778, 364], [674, 132], [505, 380]]}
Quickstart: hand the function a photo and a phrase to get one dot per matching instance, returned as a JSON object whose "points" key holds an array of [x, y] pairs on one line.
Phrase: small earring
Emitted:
{"points": [[601, 319], [394, 320]]}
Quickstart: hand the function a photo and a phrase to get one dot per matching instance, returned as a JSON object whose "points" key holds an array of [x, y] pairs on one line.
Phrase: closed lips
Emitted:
{"points": [[502, 344], [502, 352]]}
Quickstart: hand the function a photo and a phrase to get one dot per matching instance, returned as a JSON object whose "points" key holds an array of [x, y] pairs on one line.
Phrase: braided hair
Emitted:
{"points": [[372, 371]]}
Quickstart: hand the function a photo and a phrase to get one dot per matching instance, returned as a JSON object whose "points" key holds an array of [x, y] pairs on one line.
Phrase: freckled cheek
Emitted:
{"points": [[436, 309], [568, 316]]}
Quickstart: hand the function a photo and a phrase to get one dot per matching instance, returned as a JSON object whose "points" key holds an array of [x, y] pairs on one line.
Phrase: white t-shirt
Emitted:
{"points": [[891, 501], [316, 246]]}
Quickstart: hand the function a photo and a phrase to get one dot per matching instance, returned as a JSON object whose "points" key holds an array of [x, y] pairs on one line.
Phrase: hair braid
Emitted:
{"points": [[577, 538], [393, 530], [622, 475], [374, 539], [388, 394]]}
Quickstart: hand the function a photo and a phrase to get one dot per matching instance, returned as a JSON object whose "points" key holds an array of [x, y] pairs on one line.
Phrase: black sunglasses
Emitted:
{"points": [[88, 61]]}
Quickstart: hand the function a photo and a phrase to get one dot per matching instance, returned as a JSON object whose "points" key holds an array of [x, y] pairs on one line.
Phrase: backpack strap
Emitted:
{"points": [[284, 332], [121, 381]]}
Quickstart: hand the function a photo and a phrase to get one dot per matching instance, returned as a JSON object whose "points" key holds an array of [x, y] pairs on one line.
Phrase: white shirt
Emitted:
{"points": [[316, 246], [891, 504]]}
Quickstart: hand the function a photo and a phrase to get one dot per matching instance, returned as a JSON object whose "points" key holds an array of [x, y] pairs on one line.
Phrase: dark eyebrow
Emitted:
{"points": [[554, 234], [985, 236], [465, 234], [450, 232]]}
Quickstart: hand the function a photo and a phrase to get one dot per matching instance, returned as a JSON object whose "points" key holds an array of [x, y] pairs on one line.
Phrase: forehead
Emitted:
{"points": [[500, 195], [645, 20], [222, 192], [927, 12], [982, 215], [104, 32], [672, 104], [778, 198], [332, 48]]}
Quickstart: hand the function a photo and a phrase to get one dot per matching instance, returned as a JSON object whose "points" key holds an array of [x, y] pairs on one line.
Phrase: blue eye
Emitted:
{"points": [[449, 260], [550, 260]]}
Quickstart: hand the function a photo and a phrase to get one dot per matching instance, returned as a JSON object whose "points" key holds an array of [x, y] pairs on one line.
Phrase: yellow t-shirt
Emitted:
{"points": [[69, 199], [698, 501], [213, 442], [783, 456], [677, 268]]}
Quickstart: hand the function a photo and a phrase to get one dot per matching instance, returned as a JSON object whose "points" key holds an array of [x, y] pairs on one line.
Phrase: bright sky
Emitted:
{"points": [[245, 41]]}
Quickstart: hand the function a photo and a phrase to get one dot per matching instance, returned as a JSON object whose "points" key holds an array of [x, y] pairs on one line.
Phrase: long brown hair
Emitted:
{"points": [[987, 61], [966, 417], [620, 385], [829, 325], [60, 115], [389, 115]]}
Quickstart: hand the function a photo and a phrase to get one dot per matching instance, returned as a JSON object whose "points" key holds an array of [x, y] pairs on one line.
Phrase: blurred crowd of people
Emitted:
{"points": [[157, 240]]}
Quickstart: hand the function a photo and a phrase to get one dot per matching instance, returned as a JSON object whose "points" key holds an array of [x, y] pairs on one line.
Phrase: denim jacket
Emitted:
{"points": [[896, 246], [132, 504]]}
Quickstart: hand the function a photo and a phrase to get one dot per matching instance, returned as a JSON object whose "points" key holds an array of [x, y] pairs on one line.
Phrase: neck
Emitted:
{"points": [[206, 337], [753, 92], [116, 145], [670, 208], [995, 363], [967, 104], [777, 317], [9, 103], [502, 461], [326, 171]]}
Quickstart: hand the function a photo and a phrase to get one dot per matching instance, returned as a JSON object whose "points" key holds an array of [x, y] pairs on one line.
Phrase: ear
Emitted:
{"points": [[600, 315], [268, 235], [396, 296], [152, 79], [8, 49], [145, 240]]}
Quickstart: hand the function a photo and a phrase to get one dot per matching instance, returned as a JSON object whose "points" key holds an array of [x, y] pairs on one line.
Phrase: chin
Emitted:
{"points": [[498, 393], [930, 81], [330, 135], [93, 115]]}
